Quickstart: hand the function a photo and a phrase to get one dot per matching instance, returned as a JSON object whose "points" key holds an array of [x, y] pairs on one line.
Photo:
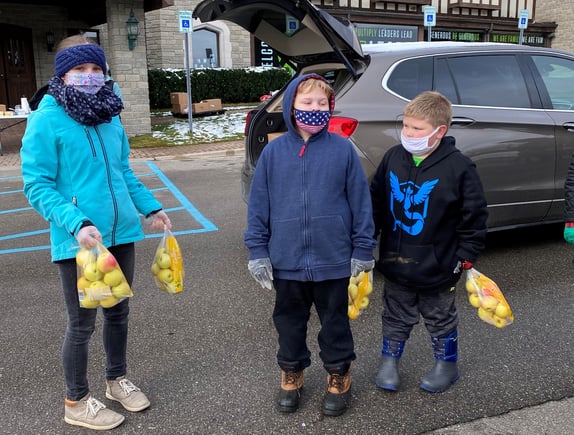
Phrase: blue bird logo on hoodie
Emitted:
{"points": [[414, 201]]}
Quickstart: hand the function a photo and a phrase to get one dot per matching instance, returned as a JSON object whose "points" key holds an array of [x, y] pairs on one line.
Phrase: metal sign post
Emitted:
{"points": [[522, 23], [429, 20], [186, 27]]}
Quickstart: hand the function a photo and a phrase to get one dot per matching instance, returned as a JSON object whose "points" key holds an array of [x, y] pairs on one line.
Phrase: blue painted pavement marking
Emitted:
{"points": [[185, 205]]}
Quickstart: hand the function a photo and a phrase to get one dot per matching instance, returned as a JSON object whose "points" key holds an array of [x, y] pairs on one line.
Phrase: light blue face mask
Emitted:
{"points": [[90, 83]]}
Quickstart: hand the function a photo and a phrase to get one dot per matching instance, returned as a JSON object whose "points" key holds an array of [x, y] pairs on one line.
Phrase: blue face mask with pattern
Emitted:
{"points": [[312, 121], [89, 83]]}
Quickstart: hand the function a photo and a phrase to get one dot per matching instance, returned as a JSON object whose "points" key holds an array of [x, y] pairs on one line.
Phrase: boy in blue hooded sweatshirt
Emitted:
{"points": [[309, 228]]}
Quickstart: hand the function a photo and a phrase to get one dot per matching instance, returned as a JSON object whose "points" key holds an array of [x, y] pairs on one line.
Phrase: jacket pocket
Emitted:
{"points": [[330, 241], [286, 244], [416, 264]]}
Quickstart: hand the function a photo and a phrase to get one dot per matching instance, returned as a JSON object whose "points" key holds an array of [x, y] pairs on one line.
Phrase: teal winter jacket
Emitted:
{"points": [[74, 173]]}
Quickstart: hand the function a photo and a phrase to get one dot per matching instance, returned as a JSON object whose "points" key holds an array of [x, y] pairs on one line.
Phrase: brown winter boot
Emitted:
{"points": [[338, 394], [290, 391]]}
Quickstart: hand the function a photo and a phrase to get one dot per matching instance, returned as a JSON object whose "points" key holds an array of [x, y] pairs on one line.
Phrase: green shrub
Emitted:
{"points": [[230, 85]]}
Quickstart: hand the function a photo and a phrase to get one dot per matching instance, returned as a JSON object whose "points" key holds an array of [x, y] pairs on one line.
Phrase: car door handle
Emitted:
{"points": [[463, 122], [569, 126]]}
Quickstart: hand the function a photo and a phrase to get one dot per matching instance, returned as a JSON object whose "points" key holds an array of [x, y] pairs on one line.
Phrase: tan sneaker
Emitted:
{"points": [[338, 394], [290, 391], [122, 390], [91, 413]]}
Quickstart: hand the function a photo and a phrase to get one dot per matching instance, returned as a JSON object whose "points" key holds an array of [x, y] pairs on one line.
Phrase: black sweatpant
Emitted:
{"points": [[291, 314]]}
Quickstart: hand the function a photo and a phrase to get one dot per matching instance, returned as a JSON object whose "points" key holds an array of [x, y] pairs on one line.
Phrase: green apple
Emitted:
{"points": [[470, 286], [92, 273], [109, 302], [86, 302], [163, 260], [474, 300], [502, 311], [364, 303], [353, 291], [170, 287], [114, 277], [122, 290], [83, 283], [85, 256], [485, 315], [98, 290], [155, 269], [499, 322], [165, 275]]}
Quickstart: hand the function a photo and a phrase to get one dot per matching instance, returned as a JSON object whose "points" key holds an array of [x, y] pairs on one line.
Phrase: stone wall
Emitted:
{"points": [[166, 43], [562, 13]]}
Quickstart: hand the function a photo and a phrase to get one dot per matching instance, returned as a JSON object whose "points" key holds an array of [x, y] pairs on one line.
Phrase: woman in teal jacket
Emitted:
{"points": [[77, 176]]}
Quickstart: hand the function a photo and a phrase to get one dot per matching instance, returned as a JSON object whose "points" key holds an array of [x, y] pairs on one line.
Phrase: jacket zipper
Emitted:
{"points": [[110, 186], [91, 141]]}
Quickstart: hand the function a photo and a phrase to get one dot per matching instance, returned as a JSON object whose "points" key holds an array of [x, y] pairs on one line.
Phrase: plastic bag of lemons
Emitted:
{"points": [[360, 287], [101, 281], [485, 295], [167, 266]]}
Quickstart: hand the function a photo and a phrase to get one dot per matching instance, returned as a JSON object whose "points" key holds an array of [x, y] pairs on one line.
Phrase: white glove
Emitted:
{"points": [[88, 237], [358, 266], [159, 221], [262, 271]]}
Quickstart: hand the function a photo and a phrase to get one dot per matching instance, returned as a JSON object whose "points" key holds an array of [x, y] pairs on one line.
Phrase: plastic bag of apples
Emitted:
{"points": [[101, 281], [359, 289], [167, 266], [485, 295]]}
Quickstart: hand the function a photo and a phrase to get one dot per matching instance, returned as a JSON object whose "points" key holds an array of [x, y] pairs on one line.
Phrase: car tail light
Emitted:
{"points": [[343, 126], [247, 120]]}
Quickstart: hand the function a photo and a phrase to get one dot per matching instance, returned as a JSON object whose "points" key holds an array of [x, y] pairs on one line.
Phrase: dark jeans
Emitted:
{"points": [[81, 325], [291, 314], [403, 307]]}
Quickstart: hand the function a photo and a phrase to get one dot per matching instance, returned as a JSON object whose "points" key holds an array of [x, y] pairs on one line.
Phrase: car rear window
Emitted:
{"points": [[485, 80]]}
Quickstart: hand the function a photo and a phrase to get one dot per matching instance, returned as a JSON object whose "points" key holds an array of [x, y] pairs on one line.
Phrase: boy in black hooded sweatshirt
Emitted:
{"points": [[430, 208]]}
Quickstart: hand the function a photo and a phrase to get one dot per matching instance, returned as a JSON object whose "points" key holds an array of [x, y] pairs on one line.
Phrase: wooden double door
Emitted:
{"points": [[17, 72]]}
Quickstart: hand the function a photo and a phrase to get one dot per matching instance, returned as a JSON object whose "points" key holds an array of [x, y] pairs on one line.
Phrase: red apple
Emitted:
{"points": [[106, 262]]}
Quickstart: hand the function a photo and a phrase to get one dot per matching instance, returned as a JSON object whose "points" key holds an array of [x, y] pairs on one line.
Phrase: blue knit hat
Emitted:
{"points": [[70, 57]]}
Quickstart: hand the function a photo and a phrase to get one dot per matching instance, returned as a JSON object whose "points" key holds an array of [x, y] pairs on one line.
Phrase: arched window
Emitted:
{"points": [[205, 49]]}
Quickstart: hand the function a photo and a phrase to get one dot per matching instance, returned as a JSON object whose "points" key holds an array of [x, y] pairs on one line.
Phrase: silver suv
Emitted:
{"points": [[513, 105]]}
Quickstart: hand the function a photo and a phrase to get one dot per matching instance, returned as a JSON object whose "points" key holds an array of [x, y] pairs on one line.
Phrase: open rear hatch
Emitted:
{"points": [[296, 28]]}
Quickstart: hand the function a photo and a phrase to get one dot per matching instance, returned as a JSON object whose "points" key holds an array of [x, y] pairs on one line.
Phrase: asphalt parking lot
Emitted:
{"points": [[205, 357]]}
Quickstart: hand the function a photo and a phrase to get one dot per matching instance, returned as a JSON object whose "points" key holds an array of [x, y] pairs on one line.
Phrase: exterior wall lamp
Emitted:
{"points": [[50, 41], [133, 28]]}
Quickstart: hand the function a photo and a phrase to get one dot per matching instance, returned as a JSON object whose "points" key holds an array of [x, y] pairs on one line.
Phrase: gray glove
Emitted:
{"points": [[262, 271], [358, 266]]}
